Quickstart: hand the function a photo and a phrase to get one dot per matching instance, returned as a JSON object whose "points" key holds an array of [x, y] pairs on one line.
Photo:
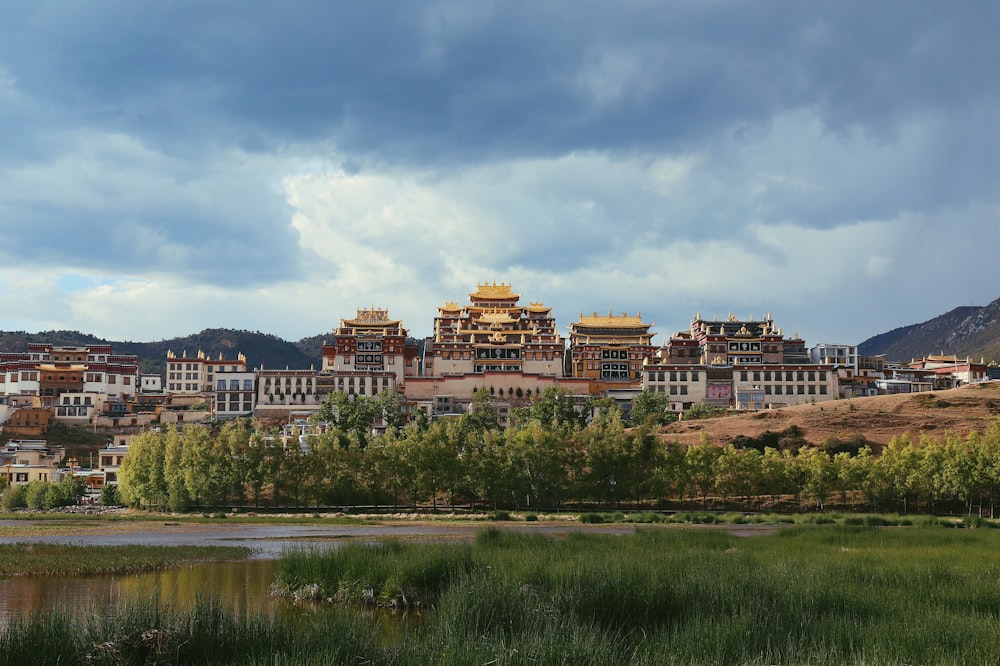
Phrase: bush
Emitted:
{"points": [[501, 515], [591, 518], [15, 497], [36, 495], [531, 517], [109, 496]]}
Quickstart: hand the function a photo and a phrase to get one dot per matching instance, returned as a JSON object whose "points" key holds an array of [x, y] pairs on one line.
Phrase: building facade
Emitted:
{"points": [[493, 343], [196, 374], [739, 364], [609, 350]]}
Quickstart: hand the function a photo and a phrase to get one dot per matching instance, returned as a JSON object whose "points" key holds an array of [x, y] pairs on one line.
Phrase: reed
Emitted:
{"points": [[817, 594]]}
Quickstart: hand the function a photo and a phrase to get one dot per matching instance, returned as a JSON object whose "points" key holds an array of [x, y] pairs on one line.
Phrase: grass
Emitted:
{"points": [[809, 594], [147, 633], [816, 594], [43, 559]]}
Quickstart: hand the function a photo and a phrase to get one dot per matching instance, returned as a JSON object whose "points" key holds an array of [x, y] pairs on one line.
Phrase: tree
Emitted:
{"points": [[109, 495], [818, 474], [700, 460], [65, 493], [651, 406], [555, 408], [14, 497], [141, 482]]}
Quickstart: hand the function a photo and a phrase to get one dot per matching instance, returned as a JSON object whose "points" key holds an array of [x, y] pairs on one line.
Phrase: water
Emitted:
{"points": [[239, 586]]}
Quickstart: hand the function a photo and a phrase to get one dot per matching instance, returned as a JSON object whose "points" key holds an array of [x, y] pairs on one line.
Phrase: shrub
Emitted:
{"points": [[531, 517], [501, 515], [36, 495], [591, 518], [109, 496], [15, 497]]}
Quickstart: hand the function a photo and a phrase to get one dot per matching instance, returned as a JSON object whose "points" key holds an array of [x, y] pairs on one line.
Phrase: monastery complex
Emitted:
{"points": [[492, 343]]}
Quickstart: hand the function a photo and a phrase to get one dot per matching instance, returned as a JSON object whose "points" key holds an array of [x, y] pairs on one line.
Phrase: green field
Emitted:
{"points": [[828, 594]]}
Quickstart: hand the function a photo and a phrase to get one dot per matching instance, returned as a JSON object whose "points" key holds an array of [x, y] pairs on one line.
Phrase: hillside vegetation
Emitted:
{"points": [[261, 349]]}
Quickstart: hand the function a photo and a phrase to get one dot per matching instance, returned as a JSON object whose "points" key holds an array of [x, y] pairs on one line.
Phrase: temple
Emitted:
{"points": [[609, 349], [739, 363], [371, 344], [493, 343]]}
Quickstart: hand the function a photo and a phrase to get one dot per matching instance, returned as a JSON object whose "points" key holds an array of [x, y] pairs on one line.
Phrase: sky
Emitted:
{"points": [[170, 167]]}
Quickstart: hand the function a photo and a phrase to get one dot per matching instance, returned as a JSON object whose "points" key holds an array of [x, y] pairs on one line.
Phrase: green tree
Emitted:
{"points": [[700, 461], [651, 406], [65, 493], [818, 474], [109, 495], [141, 481], [35, 495], [555, 408], [14, 497]]}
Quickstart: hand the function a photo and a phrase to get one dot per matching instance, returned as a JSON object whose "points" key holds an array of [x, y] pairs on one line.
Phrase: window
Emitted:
{"points": [[234, 384], [247, 384], [220, 385], [694, 376], [802, 389]]}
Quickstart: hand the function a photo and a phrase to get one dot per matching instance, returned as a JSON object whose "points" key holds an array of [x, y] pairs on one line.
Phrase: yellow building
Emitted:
{"points": [[495, 344], [609, 348], [494, 333]]}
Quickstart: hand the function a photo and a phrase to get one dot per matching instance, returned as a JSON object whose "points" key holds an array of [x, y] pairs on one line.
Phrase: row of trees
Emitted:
{"points": [[39, 495], [548, 458]]}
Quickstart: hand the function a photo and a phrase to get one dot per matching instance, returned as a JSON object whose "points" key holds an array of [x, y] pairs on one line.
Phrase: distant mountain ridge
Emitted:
{"points": [[261, 349], [967, 331]]}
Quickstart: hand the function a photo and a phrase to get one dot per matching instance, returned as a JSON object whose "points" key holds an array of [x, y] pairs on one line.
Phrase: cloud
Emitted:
{"points": [[276, 166]]}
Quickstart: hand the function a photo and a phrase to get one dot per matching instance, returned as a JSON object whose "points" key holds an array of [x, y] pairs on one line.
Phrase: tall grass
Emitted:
{"points": [[146, 633], [830, 594], [825, 594]]}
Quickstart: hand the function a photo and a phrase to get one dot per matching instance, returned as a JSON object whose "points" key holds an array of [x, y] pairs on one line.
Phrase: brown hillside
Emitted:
{"points": [[879, 418]]}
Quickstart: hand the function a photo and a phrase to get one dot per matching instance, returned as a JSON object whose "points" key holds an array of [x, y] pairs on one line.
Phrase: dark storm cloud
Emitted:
{"points": [[443, 81]]}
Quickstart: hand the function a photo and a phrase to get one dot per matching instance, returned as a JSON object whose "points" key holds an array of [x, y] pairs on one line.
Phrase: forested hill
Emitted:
{"points": [[970, 331], [261, 349]]}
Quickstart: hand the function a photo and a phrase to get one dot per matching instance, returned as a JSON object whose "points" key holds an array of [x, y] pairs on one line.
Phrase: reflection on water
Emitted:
{"points": [[239, 586]]}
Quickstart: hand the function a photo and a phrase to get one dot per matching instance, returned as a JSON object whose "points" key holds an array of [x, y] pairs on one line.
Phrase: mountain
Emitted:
{"points": [[261, 349], [969, 331]]}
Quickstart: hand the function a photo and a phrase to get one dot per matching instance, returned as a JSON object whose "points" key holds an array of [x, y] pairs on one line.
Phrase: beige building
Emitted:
{"points": [[739, 364]]}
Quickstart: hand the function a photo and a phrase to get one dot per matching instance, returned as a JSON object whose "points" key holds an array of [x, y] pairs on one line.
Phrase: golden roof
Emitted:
{"points": [[611, 320], [450, 306], [496, 317], [371, 317], [494, 291], [538, 307]]}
